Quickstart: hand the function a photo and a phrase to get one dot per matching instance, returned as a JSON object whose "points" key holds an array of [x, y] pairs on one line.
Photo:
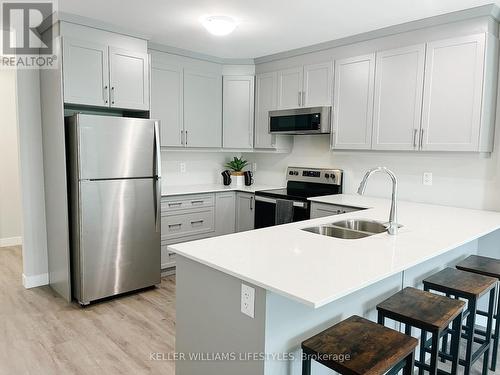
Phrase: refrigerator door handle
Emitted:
{"points": [[157, 176]]}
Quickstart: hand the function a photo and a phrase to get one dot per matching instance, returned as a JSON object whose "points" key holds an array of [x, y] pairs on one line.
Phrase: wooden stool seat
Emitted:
{"points": [[482, 265], [420, 309], [372, 349], [470, 284]]}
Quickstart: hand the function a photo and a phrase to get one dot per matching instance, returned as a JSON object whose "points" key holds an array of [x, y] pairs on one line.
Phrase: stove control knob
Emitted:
{"points": [[332, 176], [296, 173], [290, 173], [327, 175]]}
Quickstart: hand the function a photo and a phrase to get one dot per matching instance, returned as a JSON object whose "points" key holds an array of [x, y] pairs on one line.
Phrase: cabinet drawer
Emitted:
{"points": [[167, 257], [183, 202], [187, 223]]}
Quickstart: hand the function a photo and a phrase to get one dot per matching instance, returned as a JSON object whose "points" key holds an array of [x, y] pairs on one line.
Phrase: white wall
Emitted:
{"points": [[10, 200], [201, 167], [459, 179]]}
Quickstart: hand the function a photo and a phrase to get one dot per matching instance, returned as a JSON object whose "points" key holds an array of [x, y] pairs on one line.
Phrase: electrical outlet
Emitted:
{"points": [[247, 300], [427, 179], [254, 167], [183, 167]]}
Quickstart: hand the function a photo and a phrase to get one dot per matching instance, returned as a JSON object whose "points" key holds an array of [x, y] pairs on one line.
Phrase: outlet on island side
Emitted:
{"points": [[247, 300], [183, 167], [427, 179]]}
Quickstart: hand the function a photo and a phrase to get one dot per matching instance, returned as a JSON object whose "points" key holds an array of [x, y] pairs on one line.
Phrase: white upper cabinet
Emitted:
{"points": [[202, 109], [166, 103], [85, 71], [454, 78], [318, 84], [128, 79], [238, 111], [104, 76], [353, 102], [265, 101], [290, 93], [399, 81]]}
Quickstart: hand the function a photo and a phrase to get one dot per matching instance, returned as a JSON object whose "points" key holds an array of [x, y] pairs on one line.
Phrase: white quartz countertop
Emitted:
{"points": [[211, 188], [317, 270]]}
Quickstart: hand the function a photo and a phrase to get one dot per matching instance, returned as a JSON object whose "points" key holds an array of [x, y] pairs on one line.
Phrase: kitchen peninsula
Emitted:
{"points": [[305, 282]]}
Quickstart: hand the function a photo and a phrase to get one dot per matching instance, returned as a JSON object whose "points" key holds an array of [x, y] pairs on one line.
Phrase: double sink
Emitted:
{"points": [[349, 229]]}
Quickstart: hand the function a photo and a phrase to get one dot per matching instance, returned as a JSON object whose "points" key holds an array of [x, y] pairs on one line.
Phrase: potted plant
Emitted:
{"points": [[236, 166]]}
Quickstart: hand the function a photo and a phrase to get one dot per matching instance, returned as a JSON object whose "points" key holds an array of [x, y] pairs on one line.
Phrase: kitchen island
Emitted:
{"points": [[305, 282]]}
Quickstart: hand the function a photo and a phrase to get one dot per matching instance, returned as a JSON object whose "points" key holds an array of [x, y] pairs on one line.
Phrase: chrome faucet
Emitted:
{"points": [[393, 221]]}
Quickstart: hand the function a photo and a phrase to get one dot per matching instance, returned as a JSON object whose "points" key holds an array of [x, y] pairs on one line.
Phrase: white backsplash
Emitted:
{"points": [[459, 179]]}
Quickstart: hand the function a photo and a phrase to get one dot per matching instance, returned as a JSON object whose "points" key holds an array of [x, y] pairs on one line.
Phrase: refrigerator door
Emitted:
{"points": [[116, 147], [119, 242]]}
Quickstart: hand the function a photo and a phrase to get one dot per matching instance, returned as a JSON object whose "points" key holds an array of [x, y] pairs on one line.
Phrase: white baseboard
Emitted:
{"points": [[11, 241], [35, 280]]}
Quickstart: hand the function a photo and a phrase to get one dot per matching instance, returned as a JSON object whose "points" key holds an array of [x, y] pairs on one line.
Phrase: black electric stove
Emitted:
{"points": [[280, 206]]}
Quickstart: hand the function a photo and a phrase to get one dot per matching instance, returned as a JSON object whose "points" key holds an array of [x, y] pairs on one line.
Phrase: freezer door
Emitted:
{"points": [[120, 241], [115, 147]]}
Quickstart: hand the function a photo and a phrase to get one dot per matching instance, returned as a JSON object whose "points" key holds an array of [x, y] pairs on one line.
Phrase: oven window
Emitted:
{"points": [[292, 123]]}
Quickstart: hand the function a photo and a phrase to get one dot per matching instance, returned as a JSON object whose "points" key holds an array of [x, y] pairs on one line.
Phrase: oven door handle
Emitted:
{"points": [[273, 201]]}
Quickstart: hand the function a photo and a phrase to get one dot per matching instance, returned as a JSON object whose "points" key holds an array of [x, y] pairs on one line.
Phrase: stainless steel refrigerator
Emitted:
{"points": [[114, 177]]}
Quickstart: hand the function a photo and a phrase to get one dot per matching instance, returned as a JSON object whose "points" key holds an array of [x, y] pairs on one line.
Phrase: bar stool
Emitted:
{"points": [[487, 267], [372, 349], [430, 313], [471, 287]]}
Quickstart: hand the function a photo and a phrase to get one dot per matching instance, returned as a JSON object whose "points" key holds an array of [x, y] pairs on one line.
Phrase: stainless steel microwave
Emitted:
{"points": [[313, 120]]}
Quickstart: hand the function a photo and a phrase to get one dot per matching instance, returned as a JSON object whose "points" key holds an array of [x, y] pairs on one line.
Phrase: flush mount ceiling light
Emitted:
{"points": [[219, 25]]}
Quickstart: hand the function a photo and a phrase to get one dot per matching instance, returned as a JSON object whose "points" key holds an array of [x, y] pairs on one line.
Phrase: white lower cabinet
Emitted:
{"points": [[245, 211], [225, 213]]}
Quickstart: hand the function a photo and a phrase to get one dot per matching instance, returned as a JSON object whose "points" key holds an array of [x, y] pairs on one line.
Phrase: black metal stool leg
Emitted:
{"points": [[471, 321], [434, 354], [494, 354], [410, 364], [423, 340], [455, 343], [306, 365], [489, 327], [445, 340]]}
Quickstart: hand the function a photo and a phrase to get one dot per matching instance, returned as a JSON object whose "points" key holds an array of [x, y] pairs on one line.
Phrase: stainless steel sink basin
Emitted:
{"points": [[361, 225], [349, 229]]}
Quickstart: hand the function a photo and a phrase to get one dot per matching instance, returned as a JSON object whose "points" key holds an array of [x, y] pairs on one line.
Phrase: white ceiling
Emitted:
{"points": [[265, 26]]}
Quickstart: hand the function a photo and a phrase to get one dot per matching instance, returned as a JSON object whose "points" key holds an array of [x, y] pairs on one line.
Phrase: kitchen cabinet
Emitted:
{"points": [[104, 76], [305, 86], [290, 88], [128, 79], [399, 78], [225, 213], [453, 93], [245, 211], [166, 103], [266, 94], [353, 106], [318, 84], [85, 73], [238, 112], [202, 109]]}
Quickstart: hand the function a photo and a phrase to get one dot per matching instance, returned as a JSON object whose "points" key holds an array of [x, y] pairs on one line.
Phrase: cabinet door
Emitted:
{"points": [[453, 94], [238, 111], [290, 88], [245, 211], [353, 108], [129, 79], [202, 109], [225, 213], [85, 71], [318, 84], [265, 101], [166, 103], [399, 80]]}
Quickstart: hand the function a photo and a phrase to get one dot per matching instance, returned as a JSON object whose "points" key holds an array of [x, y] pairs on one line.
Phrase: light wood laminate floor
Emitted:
{"points": [[42, 334]]}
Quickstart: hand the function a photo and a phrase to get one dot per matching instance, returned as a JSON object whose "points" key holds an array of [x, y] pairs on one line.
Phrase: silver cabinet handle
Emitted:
{"points": [[186, 137], [303, 98], [415, 131], [182, 137], [251, 203], [334, 139], [197, 222], [300, 98], [175, 225], [112, 94], [105, 94], [197, 202], [174, 204], [421, 138]]}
